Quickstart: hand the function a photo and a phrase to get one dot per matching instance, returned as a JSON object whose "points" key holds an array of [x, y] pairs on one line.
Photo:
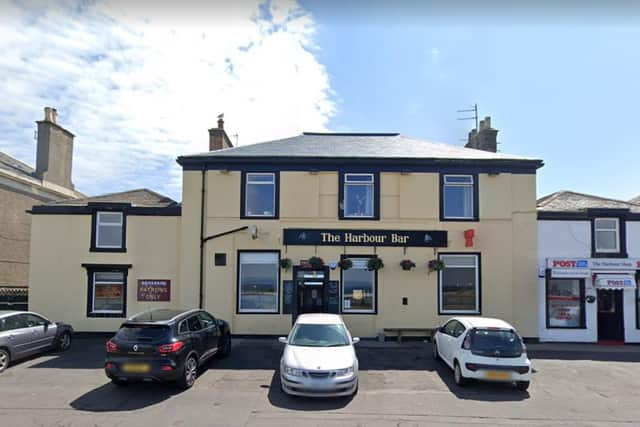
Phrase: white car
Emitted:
{"points": [[319, 358], [483, 349]]}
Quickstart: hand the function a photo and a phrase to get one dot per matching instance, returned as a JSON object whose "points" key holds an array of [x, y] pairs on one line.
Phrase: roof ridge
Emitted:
{"points": [[352, 133]]}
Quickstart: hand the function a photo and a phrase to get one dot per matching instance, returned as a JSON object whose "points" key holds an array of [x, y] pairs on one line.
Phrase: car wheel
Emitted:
{"points": [[119, 382], [522, 385], [64, 342], [225, 351], [189, 373], [5, 359], [436, 355], [457, 375]]}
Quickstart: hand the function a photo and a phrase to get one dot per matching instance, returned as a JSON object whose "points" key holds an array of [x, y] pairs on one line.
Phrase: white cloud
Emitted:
{"points": [[140, 85]]}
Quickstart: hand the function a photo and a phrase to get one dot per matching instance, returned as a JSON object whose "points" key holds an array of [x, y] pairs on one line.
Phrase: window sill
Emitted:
{"points": [[97, 249], [460, 313], [107, 315], [444, 219], [568, 327], [609, 255], [257, 312]]}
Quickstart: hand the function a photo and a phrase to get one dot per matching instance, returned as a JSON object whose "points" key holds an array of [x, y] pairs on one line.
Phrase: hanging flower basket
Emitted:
{"points": [[435, 265], [345, 263], [375, 264], [286, 263], [407, 264], [316, 262]]}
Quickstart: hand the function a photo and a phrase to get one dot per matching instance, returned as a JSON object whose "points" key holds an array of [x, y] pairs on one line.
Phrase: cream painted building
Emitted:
{"points": [[267, 231]]}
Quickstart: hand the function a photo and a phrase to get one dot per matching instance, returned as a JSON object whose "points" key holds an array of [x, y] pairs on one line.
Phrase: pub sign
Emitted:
{"points": [[345, 237]]}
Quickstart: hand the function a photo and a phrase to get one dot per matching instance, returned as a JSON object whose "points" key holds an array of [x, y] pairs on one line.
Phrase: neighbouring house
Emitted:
{"points": [[304, 224], [589, 265], [21, 187]]}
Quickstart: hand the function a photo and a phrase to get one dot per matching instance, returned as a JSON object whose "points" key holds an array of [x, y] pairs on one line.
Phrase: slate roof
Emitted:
{"points": [[571, 201], [14, 165], [635, 200], [354, 145], [140, 197]]}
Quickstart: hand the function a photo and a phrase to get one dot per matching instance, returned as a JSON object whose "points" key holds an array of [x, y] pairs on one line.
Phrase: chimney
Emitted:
{"points": [[218, 138], [54, 154], [485, 138]]}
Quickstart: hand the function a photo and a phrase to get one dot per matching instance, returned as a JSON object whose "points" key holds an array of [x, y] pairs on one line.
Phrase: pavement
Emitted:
{"points": [[400, 385]]}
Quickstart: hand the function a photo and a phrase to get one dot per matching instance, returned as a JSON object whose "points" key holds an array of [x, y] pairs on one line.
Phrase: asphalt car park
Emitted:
{"points": [[400, 384]]}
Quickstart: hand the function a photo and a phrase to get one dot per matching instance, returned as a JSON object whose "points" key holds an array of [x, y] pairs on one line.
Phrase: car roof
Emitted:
{"points": [[319, 319], [160, 315], [483, 322], [5, 313]]}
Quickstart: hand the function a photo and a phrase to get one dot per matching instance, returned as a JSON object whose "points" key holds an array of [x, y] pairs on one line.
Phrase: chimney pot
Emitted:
{"points": [[482, 125], [487, 122], [50, 115], [220, 123]]}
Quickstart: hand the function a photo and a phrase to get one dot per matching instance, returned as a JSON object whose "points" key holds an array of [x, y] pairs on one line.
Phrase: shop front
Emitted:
{"points": [[591, 300]]}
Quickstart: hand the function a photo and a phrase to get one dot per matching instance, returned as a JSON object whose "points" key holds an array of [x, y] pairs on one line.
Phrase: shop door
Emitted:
{"points": [[610, 315]]}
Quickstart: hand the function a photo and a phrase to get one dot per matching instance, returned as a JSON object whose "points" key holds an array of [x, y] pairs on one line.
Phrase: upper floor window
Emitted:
{"points": [[607, 234], [109, 231], [459, 197], [260, 195], [359, 196]]}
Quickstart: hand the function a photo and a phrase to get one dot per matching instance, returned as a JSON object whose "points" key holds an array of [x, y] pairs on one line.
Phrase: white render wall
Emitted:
{"points": [[631, 333], [570, 239]]}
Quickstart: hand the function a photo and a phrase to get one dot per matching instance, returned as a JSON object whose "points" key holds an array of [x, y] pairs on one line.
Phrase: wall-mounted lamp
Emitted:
{"points": [[254, 232], [224, 171]]}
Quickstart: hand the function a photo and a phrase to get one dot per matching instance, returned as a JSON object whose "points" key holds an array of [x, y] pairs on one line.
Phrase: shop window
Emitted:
{"points": [[260, 195], [359, 196], [459, 283], [108, 232], [565, 303], [258, 282], [606, 235], [359, 287], [459, 197], [107, 292]]}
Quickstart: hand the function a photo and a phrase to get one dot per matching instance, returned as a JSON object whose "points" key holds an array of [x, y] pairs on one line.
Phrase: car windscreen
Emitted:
{"points": [[495, 343], [312, 335], [142, 332]]}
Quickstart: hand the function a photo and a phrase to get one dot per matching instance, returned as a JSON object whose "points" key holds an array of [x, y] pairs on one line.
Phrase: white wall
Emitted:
{"points": [[571, 239], [631, 333]]}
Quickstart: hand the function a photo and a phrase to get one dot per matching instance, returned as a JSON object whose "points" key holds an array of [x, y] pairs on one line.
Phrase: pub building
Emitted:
{"points": [[588, 267], [389, 231]]}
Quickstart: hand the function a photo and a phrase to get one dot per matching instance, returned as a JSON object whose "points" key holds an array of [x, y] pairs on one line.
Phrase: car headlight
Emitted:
{"points": [[294, 372], [345, 371]]}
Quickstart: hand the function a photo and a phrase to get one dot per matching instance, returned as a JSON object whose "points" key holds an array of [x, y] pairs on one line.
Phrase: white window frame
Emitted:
{"points": [[373, 290], [246, 193], [616, 231], [458, 184], [109, 224], [476, 265], [371, 183], [241, 310], [93, 292]]}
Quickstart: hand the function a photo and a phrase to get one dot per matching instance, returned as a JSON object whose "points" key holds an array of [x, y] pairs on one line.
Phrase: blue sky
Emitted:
{"points": [[560, 85]]}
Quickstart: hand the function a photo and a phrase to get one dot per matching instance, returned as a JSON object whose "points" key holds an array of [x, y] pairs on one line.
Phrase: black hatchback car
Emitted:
{"points": [[165, 345]]}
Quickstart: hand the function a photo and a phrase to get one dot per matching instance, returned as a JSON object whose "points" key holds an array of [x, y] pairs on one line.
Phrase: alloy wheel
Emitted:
{"points": [[190, 371], [4, 360], [65, 341]]}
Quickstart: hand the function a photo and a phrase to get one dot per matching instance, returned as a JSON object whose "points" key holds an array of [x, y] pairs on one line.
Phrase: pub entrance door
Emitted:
{"points": [[310, 286]]}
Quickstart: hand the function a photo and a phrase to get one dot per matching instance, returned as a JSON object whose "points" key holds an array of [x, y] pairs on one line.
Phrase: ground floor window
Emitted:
{"points": [[459, 283], [637, 308], [359, 287], [565, 303], [107, 291], [258, 282]]}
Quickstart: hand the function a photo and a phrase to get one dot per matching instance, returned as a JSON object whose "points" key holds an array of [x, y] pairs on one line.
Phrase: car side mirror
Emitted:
{"points": [[441, 329], [283, 340], [355, 340]]}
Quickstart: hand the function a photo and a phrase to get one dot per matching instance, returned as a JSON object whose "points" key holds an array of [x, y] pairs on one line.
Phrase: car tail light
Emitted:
{"points": [[466, 344], [167, 368], [522, 369], [111, 347], [171, 348], [108, 366]]}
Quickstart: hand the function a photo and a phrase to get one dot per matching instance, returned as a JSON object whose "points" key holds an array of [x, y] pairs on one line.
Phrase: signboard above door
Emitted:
{"points": [[344, 237]]}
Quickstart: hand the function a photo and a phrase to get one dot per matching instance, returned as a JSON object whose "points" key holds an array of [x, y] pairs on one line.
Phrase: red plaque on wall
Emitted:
{"points": [[154, 290]]}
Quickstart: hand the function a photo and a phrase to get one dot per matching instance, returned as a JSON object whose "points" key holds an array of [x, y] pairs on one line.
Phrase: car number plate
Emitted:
{"points": [[136, 368], [497, 375]]}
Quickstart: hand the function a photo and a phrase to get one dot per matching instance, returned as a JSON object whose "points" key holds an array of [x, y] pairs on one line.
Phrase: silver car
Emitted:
{"points": [[24, 333]]}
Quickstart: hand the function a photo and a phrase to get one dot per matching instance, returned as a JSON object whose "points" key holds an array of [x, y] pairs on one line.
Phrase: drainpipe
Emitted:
{"points": [[202, 200]]}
